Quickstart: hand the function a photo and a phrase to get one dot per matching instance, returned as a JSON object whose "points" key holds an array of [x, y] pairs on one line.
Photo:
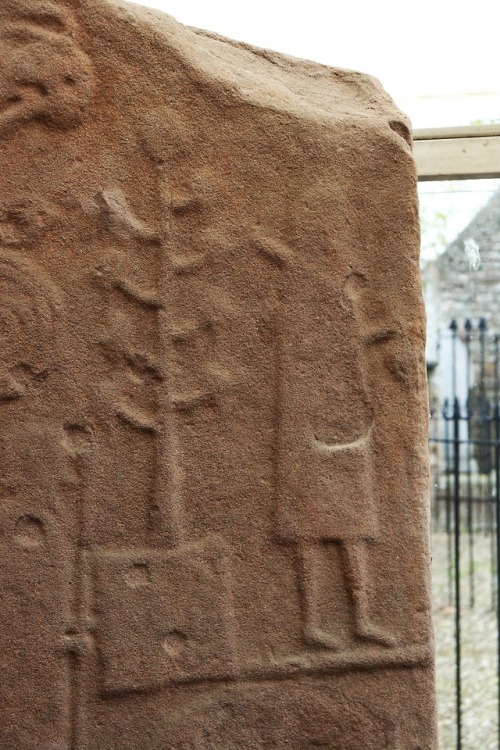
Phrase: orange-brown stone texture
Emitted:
{"points": [[213, 478]]}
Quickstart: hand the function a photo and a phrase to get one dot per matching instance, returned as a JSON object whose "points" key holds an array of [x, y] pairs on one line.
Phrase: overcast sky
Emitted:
{"points": [[426, 49]]}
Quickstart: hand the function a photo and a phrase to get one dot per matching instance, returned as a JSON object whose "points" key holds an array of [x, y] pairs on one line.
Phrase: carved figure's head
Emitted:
{"points": [[44, 75]]}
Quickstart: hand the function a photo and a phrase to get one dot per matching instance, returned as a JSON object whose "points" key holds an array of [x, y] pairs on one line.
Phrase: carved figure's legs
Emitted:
{"points": [[353, 554], [309, 563]]}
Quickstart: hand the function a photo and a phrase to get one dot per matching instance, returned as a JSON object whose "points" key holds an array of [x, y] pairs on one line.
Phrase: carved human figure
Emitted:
{"points": [[326, 442]]}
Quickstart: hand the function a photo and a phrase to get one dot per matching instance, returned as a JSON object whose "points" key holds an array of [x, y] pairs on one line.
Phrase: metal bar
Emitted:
{"points": [[462, 131], [497, 508], [457, 158], [456, 507], [464, 441], [449, 549], [433, 428], [456, 530], [470, 528], [485, 426]]}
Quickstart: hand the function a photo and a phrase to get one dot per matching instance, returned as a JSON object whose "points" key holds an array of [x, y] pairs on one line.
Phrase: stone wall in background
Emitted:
{"points": [[464, 278]]}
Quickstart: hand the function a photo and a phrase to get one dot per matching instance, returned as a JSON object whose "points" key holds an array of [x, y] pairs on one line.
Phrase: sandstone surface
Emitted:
{"points": [[213, 483]]}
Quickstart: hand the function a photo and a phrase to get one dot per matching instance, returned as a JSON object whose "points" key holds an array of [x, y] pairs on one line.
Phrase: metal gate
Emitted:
{"points": [[465, 470]]}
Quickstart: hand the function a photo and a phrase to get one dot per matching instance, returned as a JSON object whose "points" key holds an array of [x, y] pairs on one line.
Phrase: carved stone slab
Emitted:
{"points": [[150, 633], [213, 478]]}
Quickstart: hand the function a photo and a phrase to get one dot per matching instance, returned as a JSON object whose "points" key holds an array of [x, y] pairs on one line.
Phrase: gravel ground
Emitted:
{"points": [[479, 648]]}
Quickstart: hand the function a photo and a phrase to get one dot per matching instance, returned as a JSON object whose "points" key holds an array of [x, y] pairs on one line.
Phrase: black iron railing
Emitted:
{"points": [[465, 466]]}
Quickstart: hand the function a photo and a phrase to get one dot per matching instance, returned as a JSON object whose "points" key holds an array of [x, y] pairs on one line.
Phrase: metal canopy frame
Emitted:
{"points": [[459, 153]]}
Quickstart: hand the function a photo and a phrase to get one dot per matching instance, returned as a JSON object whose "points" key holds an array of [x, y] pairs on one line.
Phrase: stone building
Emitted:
{"points": [[463, 284], [462, 290]]}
